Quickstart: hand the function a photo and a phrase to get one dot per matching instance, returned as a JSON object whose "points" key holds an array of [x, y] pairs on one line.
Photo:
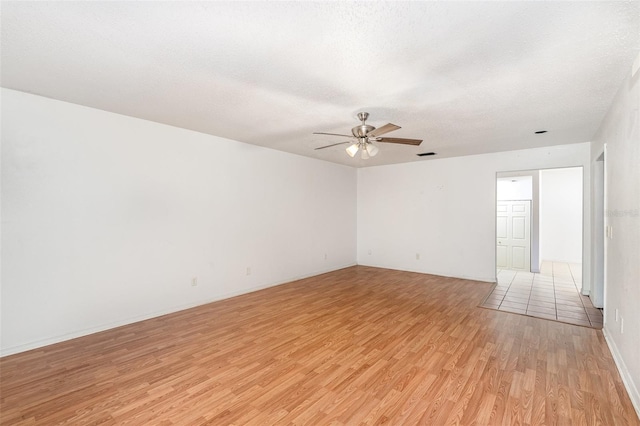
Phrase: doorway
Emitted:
{"points": [[553, 230], [544, 208], [520, 188]]}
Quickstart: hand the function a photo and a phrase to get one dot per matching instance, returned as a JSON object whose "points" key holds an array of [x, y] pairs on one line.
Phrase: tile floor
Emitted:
{"points": [[553, 294]]}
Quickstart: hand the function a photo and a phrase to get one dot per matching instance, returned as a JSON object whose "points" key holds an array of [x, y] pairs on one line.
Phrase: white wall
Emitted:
{"points": [[561, 215], [620, 130], [514, 188], [106, 218], [445, 210]]}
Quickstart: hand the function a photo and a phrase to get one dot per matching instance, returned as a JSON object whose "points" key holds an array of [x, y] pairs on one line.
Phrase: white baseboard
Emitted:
{"points": [[627, 380], [431, 272], [91, 330]]}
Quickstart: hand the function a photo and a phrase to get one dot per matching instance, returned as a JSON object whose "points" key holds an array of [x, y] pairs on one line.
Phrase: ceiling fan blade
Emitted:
{"points": [[334, 144], [382, 130], [400, 140], [332, 134]]}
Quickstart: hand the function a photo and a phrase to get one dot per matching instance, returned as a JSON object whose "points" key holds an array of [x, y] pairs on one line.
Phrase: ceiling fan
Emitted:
{"points": [[364, 135]]}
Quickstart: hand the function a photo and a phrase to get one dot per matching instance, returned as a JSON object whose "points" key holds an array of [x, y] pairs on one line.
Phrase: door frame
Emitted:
{"points": [[599, 230]]}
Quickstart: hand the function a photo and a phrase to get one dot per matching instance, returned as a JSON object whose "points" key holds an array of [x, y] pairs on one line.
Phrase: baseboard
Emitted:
{"points": [[627, 380], [491, 280], [108, 326]]}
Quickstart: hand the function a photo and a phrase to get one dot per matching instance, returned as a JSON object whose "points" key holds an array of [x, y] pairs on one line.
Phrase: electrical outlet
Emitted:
{"points": [[194, 281], [417, 256], [248, 270]]}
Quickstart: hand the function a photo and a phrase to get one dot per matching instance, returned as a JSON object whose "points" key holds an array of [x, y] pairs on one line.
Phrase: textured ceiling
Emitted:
{"points": [[466, 77]]}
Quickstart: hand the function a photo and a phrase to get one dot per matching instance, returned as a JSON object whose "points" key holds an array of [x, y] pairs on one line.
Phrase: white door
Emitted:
{"points": [[513, 232]]}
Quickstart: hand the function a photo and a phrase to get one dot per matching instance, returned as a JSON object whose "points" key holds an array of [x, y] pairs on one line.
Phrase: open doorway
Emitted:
{"points": [[517, 219], [539, 219], [539, 247], [513, 222]]}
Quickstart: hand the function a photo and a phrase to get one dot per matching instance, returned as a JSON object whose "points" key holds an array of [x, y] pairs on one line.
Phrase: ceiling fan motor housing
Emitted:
{"points": [[362, 130]]}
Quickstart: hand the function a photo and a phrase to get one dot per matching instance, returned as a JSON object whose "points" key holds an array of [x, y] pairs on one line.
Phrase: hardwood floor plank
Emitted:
{"points": [[357, 346]]}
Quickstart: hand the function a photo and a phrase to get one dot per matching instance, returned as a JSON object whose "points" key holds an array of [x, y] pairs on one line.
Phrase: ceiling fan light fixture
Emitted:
{"points": [[353, 150], [364, 134], [372, 150]]}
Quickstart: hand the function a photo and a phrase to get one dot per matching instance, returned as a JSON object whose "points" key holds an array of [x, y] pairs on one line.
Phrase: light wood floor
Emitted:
{"points": [[357, 346]]}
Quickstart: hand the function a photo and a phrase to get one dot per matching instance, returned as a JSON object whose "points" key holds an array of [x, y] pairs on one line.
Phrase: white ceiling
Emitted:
{"points": [[466, 77]]}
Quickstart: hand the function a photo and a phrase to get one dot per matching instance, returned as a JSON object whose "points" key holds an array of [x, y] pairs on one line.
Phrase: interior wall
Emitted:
{"points": [[514, 188], [620, 130], [438, 216], [107, 219], [561, 215]]}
